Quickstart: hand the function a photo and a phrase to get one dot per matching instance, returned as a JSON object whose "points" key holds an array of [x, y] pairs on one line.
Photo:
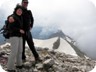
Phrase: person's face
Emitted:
{"points": [[19, 11], [25, 4]]}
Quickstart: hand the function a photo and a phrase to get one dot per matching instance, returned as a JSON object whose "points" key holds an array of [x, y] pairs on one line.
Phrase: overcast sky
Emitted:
{"points": [[76, 18]]}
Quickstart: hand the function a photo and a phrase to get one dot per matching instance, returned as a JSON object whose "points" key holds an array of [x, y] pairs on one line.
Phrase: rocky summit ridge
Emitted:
{"points": [[52, 61]]}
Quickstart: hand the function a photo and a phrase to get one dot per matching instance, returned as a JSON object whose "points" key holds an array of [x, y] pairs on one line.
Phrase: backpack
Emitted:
{"points": [[5, 30]]}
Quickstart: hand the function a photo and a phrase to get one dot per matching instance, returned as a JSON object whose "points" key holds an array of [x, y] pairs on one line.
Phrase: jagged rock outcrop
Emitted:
{"points": [[59, 33], [56, 44], [51, 61], [77, 50]]}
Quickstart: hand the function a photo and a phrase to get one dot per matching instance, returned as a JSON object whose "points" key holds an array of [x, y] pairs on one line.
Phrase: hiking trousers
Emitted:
{"points": [[28, 37], [16, 53]]}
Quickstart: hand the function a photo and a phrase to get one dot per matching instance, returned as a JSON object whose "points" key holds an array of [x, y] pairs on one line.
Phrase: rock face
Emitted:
{"points": [[56, 44], [51, 61]]}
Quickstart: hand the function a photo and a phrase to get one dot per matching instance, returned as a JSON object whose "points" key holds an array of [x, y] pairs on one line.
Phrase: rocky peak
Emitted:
{"points": [[59, 33]]}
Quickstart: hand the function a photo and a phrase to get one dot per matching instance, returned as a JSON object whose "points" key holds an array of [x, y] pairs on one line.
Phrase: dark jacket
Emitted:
{"points": [[27, 19], [16, 26]]}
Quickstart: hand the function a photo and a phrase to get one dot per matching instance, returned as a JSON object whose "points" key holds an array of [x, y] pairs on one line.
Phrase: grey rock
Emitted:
{"points": [[48, 63], [39, 66]]}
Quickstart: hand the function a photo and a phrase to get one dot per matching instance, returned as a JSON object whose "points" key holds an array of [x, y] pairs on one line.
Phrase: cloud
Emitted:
{"points": [[93, 1], [86, 43]]}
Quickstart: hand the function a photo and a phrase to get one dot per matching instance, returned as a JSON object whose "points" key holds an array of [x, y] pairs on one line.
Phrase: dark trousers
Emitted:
{"points": [[28, 37]]}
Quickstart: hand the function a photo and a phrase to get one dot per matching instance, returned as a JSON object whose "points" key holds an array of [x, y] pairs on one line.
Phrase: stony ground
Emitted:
{"points": [[51, 61]]}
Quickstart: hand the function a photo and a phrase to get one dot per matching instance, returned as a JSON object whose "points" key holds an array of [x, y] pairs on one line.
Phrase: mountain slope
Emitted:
{"points": [[63, 47]]}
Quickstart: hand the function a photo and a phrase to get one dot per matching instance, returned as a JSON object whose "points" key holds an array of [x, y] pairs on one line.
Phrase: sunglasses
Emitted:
{"points": [[25, 2]]}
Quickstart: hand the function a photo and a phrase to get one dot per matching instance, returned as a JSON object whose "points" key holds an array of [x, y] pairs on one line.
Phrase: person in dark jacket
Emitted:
{"points": [[16, 33], [27, 26]]}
